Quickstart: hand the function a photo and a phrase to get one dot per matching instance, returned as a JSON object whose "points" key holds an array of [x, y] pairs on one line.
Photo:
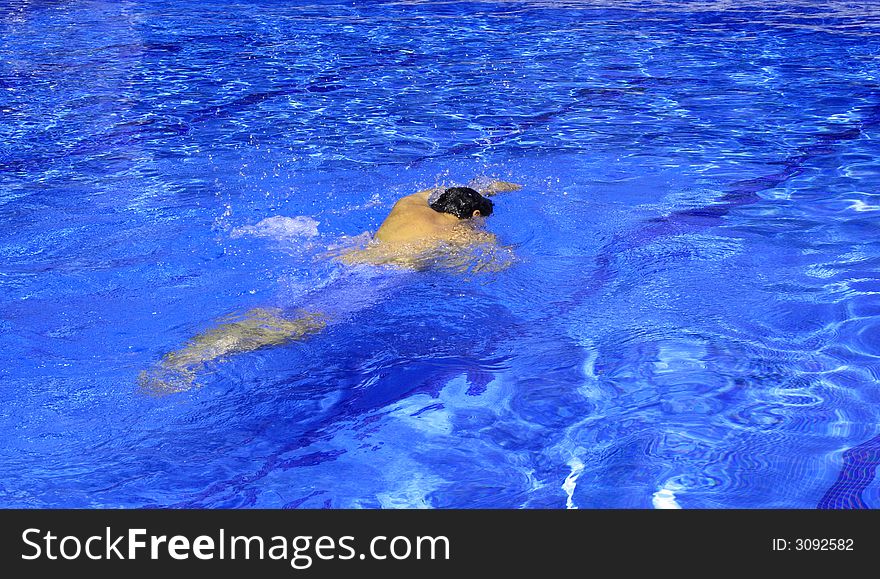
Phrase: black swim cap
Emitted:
{"points": [[462, 202]]}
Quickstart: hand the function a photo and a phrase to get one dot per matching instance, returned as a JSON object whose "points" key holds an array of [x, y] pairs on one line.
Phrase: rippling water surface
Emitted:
{"points": [[692, 319]]}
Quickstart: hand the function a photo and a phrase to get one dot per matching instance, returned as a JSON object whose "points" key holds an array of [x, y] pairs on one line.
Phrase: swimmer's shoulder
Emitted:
{"points": [[413, 201], [423, 196]]}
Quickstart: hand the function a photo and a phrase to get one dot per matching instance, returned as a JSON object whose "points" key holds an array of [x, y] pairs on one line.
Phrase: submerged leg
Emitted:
{"points": [[255, 329]]}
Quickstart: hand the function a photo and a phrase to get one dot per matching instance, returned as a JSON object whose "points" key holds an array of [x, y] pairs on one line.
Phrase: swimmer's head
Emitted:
{"points": [[463, 202]]}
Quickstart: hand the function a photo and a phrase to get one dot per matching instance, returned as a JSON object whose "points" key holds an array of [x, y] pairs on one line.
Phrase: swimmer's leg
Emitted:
{"points": [[253, 330]]}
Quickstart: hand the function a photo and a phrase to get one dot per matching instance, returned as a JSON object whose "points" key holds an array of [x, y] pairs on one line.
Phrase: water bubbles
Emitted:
{"points": [[280, 228]]}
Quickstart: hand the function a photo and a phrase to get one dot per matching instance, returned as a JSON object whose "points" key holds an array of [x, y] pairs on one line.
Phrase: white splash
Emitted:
{"points": [[577, 467], [665, 497], [280, 228]]}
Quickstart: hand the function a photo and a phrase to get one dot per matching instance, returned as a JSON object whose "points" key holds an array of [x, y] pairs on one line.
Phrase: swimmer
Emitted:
{"points": [[422, 229], [431, 224]]}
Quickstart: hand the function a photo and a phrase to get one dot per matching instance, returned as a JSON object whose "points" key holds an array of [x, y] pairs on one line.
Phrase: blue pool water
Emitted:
{"points": [[691, 321]]}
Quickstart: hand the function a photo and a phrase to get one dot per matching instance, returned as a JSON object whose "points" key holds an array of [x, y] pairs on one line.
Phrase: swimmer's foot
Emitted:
{"points": [[163, 379]]}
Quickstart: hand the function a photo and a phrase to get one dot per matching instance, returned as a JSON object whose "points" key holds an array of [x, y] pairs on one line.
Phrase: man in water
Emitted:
{"points": [[423, 229], [429, 224]]}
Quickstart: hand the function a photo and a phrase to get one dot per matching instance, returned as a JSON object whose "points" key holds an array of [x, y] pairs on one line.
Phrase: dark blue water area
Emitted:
{"points": [[691, 319]]}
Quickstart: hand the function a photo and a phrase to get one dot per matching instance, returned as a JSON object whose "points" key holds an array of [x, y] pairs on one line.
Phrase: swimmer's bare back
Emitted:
{"points": [[412, 233]]}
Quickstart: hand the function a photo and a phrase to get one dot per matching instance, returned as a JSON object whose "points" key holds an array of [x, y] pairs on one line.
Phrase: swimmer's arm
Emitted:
{"points": [[356, 256], [480, 250], [493, 187], [405, 257], [482, 237]]}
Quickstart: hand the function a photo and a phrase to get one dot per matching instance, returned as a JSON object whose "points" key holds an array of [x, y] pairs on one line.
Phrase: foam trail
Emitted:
{"points": [[577, 467]]}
